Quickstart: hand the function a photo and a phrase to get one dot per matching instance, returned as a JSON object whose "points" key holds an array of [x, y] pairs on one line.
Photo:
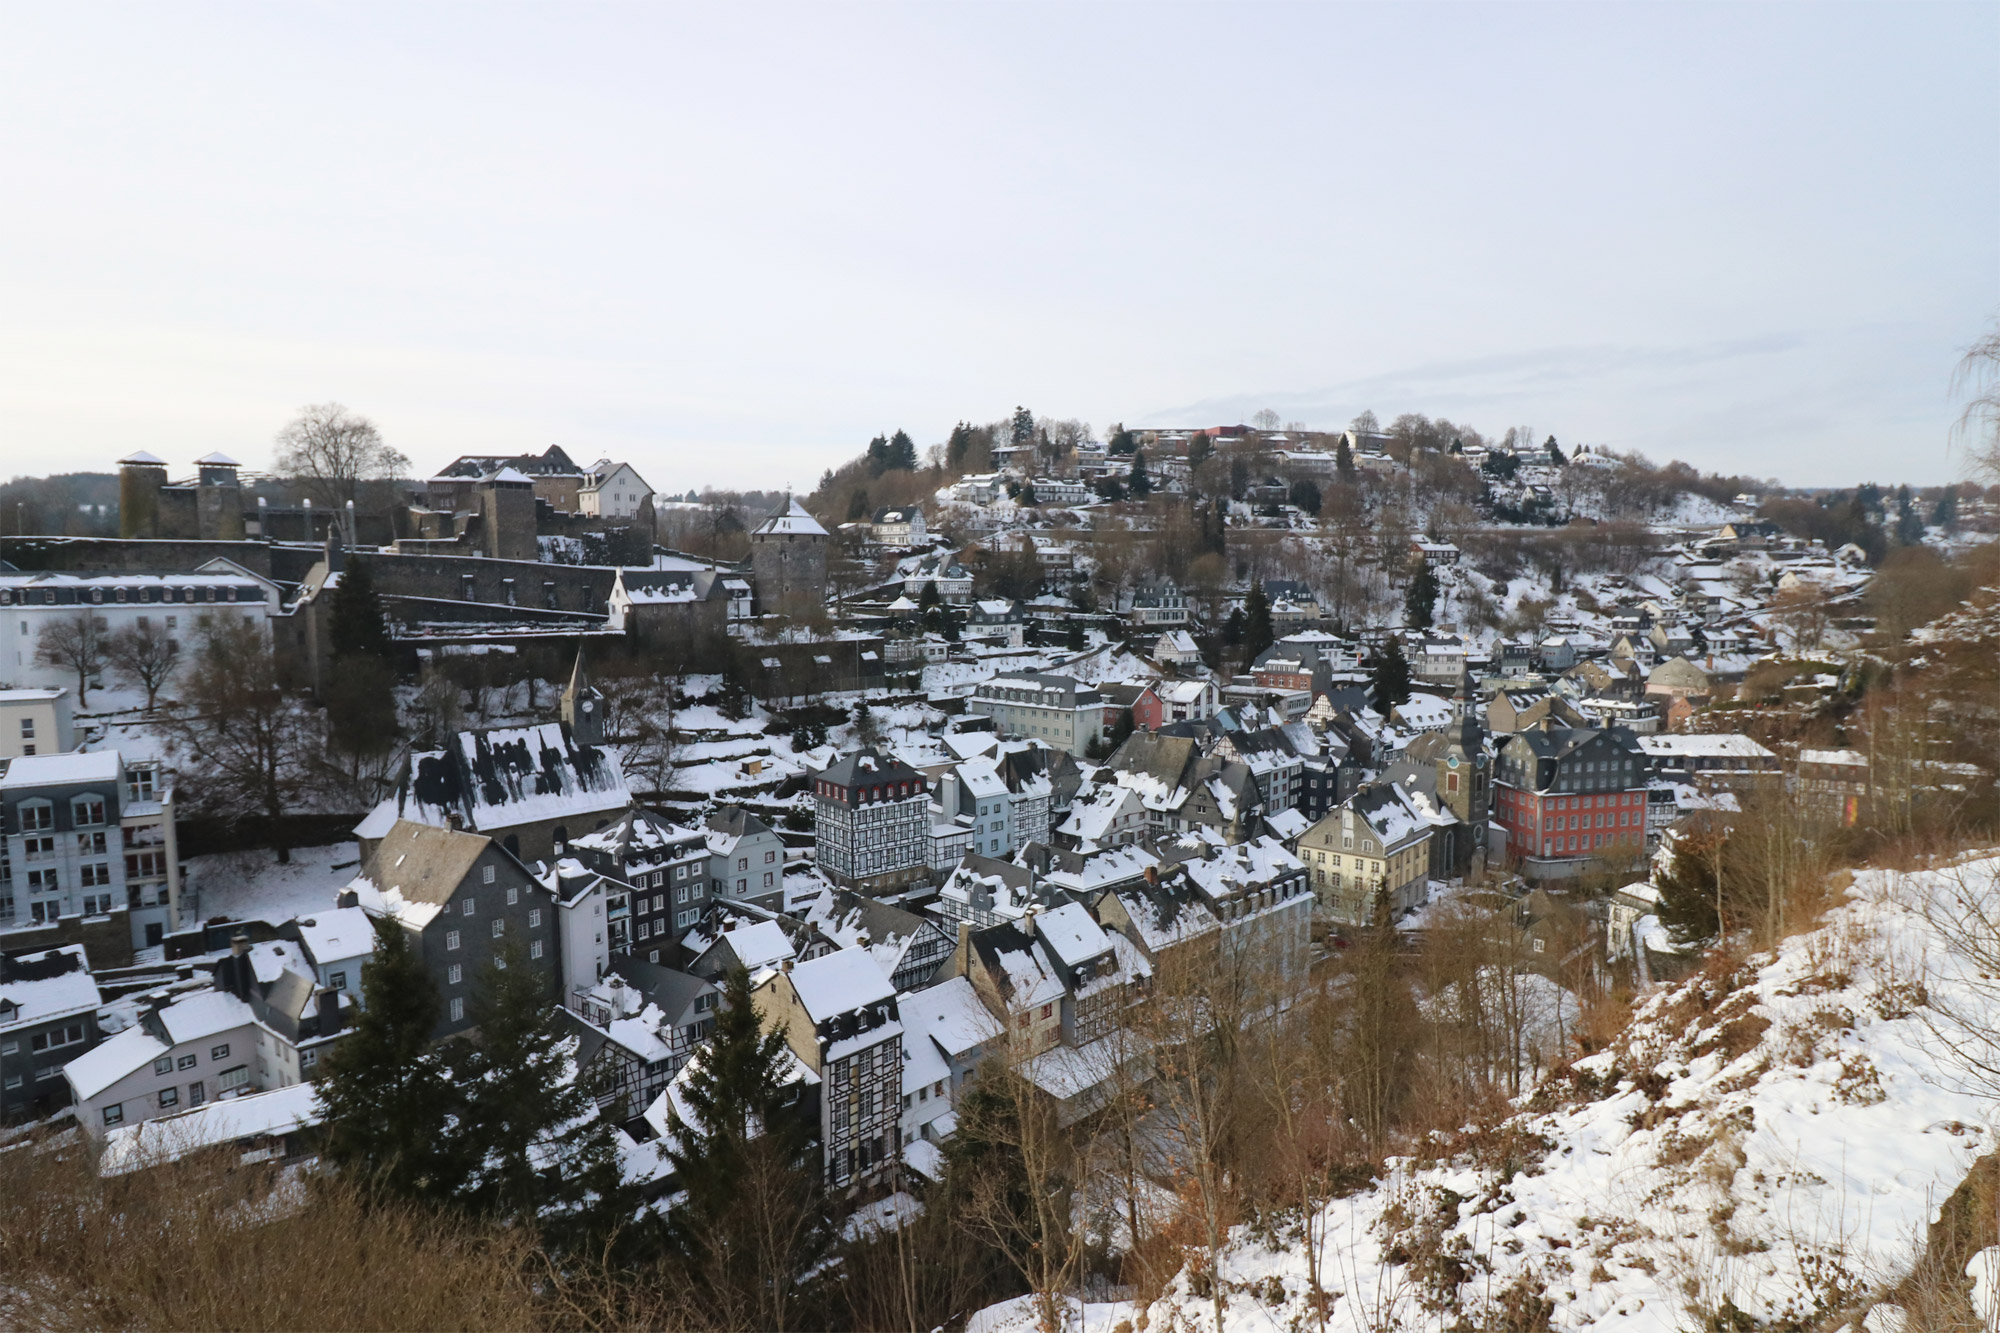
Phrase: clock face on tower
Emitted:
{"points": [[588, 705]]}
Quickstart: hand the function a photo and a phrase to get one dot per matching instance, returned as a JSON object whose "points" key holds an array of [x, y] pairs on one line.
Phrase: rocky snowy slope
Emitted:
{"points": [[1770, 1143]]}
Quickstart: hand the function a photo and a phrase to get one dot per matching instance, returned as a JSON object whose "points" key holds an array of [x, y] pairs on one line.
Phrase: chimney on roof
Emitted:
{"points": [[786, 967], [239, 944], [348, 898], [1028, 918], [1153, 876], [454, 821]]}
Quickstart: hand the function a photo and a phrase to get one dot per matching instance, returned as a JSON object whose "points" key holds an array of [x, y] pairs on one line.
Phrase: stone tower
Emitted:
{"points": [[506, 502], [583, 706], [141, 478], [218, 498], [1465, 773], [788, 560]]}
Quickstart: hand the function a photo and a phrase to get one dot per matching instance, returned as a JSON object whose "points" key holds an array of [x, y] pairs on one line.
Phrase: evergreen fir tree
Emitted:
{"points": [[1200, 450], [1343, 462], [956, 447], [1420, 602], [1139, 483], [928, 596], [902, 452], [1945, 513], [1305, 495], [1023, 426], [1389, 683], [1232, 627], [1257, 631], [1073, 639], [389, 1099], [857, 504], [878, 455], [1909, 525], [1555, 452], [546, 1155], [1122, 441], [750, 1224], [355, 621]]}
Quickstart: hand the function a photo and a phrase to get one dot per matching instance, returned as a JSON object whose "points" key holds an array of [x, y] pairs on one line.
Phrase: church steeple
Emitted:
{"points": [[583, 705]]}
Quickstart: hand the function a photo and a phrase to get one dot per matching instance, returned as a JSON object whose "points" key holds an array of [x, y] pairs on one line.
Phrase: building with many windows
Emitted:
{"points": [[463, 901], [30, 602], [874, 822], [839, 1017], [83, 836], [1064, 712], [657, 878], [48, 1017], [1568, 795]]}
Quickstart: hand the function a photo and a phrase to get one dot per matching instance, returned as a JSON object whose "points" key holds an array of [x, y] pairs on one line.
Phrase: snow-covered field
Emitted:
{"points": [[252, 886], [1778, 1146]]}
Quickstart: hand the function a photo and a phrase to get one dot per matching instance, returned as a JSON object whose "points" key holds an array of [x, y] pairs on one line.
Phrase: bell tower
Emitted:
{"points": [[1465, 773], [583, 706]]}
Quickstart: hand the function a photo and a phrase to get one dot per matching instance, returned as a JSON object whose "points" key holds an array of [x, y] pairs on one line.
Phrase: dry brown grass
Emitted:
{"points": [[210, 1244]]}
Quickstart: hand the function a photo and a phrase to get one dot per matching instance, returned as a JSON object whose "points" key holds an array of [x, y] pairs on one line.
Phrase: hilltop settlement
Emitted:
{"points": [[975, 793]]}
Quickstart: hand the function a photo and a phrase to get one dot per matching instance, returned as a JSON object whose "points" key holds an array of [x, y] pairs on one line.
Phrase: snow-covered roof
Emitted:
{"points": [[47, 985], [171, 1137], [216, 459], [839, 983], [794, 521], [1845, 758], [1726, 745], [759, 944], [55, 770], [951, 1014], [1071, 934], [512, 474], [141, 456]]}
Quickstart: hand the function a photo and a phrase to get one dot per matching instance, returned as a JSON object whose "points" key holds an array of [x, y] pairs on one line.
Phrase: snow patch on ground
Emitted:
{"points": [[252, 886], [1779, 1144]]}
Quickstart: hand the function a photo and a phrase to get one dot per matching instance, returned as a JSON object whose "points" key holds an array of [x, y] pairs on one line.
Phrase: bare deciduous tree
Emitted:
{"points": [[76, 642], [145, 655], [1979, 425], [246, 745], [332, 450]]}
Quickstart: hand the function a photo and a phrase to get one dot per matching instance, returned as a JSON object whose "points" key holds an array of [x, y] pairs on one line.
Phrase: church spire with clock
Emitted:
{"points": [[583, 705]]}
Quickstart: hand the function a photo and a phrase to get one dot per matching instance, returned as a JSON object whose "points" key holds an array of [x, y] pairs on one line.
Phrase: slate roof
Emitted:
{"points": [[503, 777]]}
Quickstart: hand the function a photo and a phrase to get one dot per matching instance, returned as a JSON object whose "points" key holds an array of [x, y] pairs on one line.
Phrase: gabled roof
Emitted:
{"points": [[793, 521], [867, 766], [502, 777], [840, 983]]}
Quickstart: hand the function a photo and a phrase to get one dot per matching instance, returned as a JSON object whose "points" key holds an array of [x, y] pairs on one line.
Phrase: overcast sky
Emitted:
{"points": [[730, 243]]}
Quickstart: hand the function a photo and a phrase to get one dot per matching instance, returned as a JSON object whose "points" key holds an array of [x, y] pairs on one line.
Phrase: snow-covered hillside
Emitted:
{"points": [[1774, 1140]]}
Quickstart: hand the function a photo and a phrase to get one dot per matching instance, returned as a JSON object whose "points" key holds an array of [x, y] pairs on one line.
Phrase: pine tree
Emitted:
{"points": [[356, 624], [1122, 442], [956, 447], [1343, 462], [1909, 525], [1258, 633], [1389, 684], [389, 1099], [547, 1155], [1200, 450], [878, 455], [1305, 495], [1139, 483], [928, 596], [750, 1224], [1945, 513], [1232, 627], [902, 452], [1420, 602], [1024, 426], [1555, 452], [1073, 639], [857, 504]]}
